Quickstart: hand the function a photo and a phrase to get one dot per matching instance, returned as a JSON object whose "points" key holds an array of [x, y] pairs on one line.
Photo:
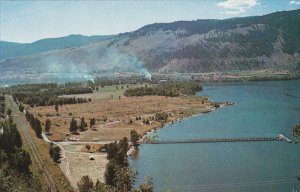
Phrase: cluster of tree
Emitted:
{"points": [[103, 81], [10, 138], [86, 185], [134, 138], [14, 161], [54, 152], [31, 87], [45, 99], [146, 121], [142, 91], [11, 148], [82, 126], [161, 116], [171, 89], [53, 88], [47, 125], [34, 123], [73, 90], [118, 176]]}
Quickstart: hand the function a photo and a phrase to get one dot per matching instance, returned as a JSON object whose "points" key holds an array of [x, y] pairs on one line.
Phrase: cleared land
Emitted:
{"points": [[113, 115], [77, 164]]}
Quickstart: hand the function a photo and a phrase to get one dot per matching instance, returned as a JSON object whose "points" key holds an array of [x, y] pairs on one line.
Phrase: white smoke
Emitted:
{"points": [[115, 61], [80, 64]]}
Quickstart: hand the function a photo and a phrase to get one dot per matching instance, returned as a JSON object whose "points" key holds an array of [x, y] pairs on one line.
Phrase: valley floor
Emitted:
{"points": [[115, 118]]}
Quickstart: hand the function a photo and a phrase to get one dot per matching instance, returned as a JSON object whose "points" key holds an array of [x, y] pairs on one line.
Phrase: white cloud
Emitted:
{"points": [[295, 2], [235, 7]]}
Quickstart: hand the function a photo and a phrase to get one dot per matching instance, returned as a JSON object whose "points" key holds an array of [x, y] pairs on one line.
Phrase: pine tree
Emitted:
{"points": [[47, 126], [73, 126], [92, 122], [82, 126], [134, 137], [56, 107], [9, 112], [110, 172], [125, 178], [38, 129]]}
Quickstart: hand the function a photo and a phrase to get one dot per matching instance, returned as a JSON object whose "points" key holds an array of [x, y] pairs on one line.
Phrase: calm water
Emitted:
{"points": [[263, 109]]}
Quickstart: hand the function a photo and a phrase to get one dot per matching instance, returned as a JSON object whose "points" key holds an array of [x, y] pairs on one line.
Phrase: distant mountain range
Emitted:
{"points": [[260, 42], [10, 49]]}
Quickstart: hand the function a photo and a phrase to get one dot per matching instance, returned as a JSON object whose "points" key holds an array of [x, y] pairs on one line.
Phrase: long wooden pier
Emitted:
{"points": [[280, 137]]}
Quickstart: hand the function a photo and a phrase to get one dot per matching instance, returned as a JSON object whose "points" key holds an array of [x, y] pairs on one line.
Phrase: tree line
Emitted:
{"points": [[73, 90], [46, 99], [51, 88], [54, 152], [34, 123], [170, 89], [110, 81], [82, 125]]}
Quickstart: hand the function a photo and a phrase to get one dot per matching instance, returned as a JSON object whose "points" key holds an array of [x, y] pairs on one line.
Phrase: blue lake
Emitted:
{"points": [[263, 109]]}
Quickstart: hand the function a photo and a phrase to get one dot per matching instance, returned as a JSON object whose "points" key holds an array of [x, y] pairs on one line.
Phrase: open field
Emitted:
{"points": [[76, 164], [80, 165], [113, 115]]}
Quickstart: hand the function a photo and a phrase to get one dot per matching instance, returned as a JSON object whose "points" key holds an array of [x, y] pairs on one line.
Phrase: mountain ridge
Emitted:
{"points": [[15, 49], [258, 42]]}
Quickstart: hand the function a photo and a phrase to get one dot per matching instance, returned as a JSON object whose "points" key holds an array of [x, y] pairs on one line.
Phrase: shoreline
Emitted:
{"points": [[132, 150]]}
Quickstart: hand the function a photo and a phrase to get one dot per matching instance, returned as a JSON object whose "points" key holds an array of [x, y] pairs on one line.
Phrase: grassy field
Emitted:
{"points": [[115, 118]]}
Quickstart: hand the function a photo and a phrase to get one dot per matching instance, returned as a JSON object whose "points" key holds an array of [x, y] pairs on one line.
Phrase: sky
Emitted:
{"points": [[28, 21]]}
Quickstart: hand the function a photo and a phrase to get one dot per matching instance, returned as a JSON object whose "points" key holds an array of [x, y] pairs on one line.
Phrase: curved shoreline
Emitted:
{"points": [[132, 150]]}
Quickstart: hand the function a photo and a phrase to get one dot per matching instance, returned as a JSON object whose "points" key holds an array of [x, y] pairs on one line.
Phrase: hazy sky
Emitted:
{"points": [[28, 21]]}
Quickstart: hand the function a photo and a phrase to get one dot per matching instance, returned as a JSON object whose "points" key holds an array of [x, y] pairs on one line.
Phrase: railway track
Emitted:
{"points": [[21, 125]]}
